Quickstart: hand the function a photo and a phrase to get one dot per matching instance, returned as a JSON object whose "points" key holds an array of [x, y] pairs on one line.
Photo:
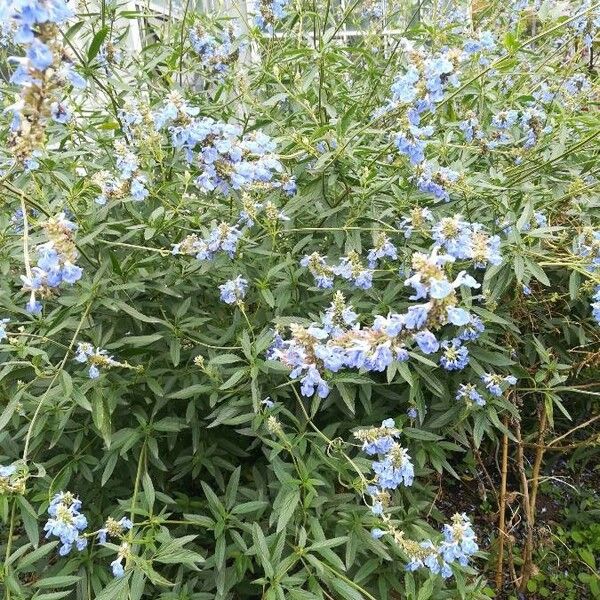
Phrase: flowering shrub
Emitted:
{"points": [[278, 305]]}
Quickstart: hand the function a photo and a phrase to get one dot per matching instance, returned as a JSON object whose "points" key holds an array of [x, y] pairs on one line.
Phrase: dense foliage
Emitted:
{"points": [[303, 305]]}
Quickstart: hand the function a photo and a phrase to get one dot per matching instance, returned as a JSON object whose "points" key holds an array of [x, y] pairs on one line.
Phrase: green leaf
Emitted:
{"points": [[262, 550], [30, 520], [96, 43]]}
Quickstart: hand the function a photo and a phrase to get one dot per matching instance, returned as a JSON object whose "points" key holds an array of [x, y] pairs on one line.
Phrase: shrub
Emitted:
{"points": [[277, 295]]}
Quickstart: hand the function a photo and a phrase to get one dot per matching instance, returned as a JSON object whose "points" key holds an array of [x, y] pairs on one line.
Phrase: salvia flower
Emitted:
{"points": [[459, 541], [222, 238], [437, 181], [495, 383], [227, 158], [455, 356], [339, 317], [12, 479], [55, 264], [233, 291], [471, 330], [113, 528], [382, 248], [3, 323], [66, 522], [418, 219], [96, 358], [394, 469], [217, 51], [267, 13], [458, 546], [468, 392], [319, 269], [351, 268], [378, 440], [42, 73], [118, 569]]}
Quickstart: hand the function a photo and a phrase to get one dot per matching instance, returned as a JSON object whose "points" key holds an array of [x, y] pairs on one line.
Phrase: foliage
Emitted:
{"points": [[275, 296]]}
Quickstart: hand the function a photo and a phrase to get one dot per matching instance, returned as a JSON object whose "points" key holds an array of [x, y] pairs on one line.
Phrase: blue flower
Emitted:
{"points": [[39, 55], [468, 392], [138, 188], [383, 247], [313, 380], [493, 382], [66, 522], [596, 304], [113, 528], [427, 342], [436, 181], [458, 316], [455, 356], [60, 112], [472, 330], [33, 306], [394, 469], [440, 288], [117, 567], [71, 273], [234, 291], [416, 316], [3, 323]]}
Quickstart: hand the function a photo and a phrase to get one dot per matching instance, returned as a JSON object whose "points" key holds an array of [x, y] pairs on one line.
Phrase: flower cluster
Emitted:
{"points": [[418, 219], [494, 383], [436, 181], [55, 264], [382, 248], [483, 42], [222, 238], [319, 269], [109, 55], [251, 209], [41, 73], [350, 267], [216, 52], [227, 158], [233, 291], [469, 393], [66, 522], [523, 128], [266, 13], [458, 546], [373, 9], [12, 480], [96, 358], [118, 569], [393, 467], [455, 356], [467, 241], [320, 348], [129, 182], [113, 528], [424, 80]]}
